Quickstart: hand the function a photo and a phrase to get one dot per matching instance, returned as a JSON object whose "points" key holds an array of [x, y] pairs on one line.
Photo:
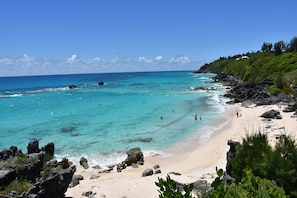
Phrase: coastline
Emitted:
{"points": [[192, 162]]}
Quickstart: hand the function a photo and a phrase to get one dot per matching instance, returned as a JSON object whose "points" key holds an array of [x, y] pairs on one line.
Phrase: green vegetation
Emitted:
{"points": [[259, 169], [277, 163], [18, 161], [250, 186], [18, 186], [49, 169], [278, 64], [169, 189]]}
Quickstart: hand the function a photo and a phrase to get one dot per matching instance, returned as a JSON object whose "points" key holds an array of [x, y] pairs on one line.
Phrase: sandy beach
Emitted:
{"points": [[193, 161]]}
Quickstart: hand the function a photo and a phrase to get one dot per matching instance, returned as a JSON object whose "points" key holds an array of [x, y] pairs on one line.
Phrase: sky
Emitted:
{"points": [[99, 36]]}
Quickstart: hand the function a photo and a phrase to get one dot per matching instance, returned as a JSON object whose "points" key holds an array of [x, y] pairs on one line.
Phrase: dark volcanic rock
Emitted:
{"points": [[75, 180], [241, 92], [72, 86], [52, 183], [135, 156], [49, 149], [12, 151], [292, 106], [54, 186], [33, 147], [84, 162], [147, 172], [230, 154], [274, 114]]}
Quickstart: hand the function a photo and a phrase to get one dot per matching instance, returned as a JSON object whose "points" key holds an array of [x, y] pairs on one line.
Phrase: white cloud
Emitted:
{"points": [[72, 59], [28, 65], [96, 59], [27, 58], [144, 60], [180, 59], [158, 58]]}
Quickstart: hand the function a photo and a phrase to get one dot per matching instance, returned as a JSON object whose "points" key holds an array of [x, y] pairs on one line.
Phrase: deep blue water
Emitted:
{"points": [[102, 122]]}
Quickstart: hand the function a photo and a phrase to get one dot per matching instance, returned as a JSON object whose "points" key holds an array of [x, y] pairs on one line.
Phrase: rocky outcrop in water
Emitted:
{"points": [[72, 86], [49, 178]]}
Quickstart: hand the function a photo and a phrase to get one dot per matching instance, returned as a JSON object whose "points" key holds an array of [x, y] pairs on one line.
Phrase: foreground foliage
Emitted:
{"points": [[169, 189], [278, 164], [250, 186]]}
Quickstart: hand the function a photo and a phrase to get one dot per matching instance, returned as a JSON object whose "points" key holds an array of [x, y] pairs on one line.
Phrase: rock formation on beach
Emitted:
{"points": [[240, 92], [47, 178]]}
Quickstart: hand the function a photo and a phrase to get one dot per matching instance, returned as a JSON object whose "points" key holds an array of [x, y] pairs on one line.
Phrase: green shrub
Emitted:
{"points": [[169, 189], [250, 154], [278, 164], [19, 161], [273, 90], [250, 186], [17, 185], [253, 186]]}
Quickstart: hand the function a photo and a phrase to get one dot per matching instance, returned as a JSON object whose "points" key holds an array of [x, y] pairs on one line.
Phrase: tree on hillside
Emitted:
{"points": [[279, 47], [266, 47], [293, 44]]}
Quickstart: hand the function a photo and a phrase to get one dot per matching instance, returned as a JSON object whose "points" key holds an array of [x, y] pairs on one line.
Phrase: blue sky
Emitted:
{"points": [[71, 36]]}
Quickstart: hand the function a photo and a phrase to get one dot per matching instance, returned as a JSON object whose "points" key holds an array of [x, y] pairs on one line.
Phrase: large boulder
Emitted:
{"points": [[135, 155], [49, 149], [147, 172], [33, 147], [84, 163], [273, 114]]}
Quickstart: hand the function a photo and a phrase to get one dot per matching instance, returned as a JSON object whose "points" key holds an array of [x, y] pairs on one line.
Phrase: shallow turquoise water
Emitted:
{"points": [[102, 122]]}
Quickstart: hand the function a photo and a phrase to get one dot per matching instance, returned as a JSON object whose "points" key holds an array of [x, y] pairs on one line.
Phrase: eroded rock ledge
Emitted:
{"points": [[48, 178]]}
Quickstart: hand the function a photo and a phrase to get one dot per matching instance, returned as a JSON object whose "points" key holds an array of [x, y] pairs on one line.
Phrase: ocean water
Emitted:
{"points": [[151, 110]]}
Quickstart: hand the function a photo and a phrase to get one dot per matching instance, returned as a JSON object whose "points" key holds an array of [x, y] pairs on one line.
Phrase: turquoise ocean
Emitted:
{"points": [[151, 110]]}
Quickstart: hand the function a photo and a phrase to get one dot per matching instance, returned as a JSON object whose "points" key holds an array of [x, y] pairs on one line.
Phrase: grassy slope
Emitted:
{"points": [[260, 66]]}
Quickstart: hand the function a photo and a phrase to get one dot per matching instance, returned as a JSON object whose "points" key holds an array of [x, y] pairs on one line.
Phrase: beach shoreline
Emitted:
{"points": [[193, 163]]}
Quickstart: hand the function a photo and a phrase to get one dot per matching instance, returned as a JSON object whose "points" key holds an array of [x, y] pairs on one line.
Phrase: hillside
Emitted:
{"points": [[256, 67]]}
